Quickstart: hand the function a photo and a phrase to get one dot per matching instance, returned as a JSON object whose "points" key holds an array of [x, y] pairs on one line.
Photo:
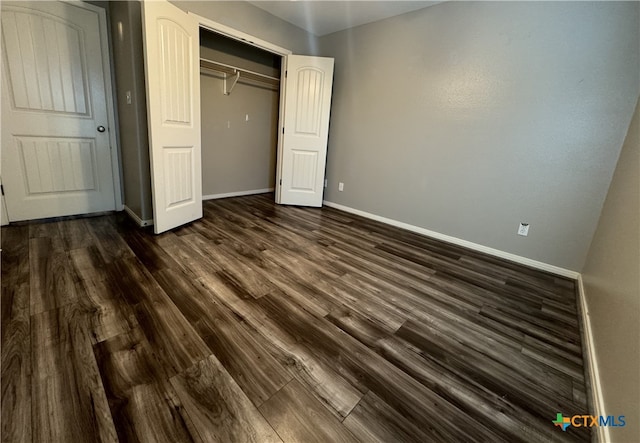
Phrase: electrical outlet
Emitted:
{"points": [[340, 186], [246, 118], [523, 229], [128, 96]]}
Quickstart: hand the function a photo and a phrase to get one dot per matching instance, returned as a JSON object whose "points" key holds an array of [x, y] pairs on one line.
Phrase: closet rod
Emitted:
{"points": [[235, 69]]}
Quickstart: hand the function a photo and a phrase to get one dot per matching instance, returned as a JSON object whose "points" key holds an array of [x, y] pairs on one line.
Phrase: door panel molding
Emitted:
{"points": [[44, 75], [75, 157], [175, 44]]}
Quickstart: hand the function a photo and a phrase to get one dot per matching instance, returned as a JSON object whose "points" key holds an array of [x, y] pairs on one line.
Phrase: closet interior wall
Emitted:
{"points": [[239, 130]]}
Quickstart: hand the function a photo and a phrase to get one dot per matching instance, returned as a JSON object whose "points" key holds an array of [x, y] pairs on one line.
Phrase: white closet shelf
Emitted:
{"points": [[232, 74]]}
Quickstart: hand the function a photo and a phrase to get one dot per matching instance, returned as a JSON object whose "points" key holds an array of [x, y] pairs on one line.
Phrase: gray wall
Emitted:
{"points": [[238, 155], [612, 287], [130, 76], [466, 118]]}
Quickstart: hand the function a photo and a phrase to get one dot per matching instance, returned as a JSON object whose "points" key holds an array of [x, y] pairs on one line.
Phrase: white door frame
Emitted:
{"points": [[108, 88], [251, 40], [240, 36]]}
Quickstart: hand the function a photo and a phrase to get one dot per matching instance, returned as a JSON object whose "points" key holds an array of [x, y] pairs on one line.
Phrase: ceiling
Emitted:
{"points": [[324, 17]]}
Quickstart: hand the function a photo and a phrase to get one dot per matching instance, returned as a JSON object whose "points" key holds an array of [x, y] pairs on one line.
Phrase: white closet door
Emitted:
{"points": [[172, 59], [305, 118]]}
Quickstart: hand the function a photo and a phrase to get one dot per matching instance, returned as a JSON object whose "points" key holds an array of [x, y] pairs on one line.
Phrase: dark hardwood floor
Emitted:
{"points": [[262, 323]]}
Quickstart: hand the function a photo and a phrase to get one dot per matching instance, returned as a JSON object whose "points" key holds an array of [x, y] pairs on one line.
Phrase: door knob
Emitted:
{"points": [[101, 129]]}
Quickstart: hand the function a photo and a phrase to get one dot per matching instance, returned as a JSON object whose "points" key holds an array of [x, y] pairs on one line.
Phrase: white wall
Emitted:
{"points": [[612, 286], [466, 118]]}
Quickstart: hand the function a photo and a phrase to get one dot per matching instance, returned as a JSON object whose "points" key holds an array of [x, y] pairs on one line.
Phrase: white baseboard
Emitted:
{"points": [[457, 241], [590, 358], [237, 194], [136, 218]]}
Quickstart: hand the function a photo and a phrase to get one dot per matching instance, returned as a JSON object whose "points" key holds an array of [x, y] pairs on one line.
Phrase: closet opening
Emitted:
{"points": [[285, 133], [240, 101]]}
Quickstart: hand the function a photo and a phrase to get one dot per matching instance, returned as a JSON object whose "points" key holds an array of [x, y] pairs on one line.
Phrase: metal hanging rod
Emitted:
{"points": [[236, 73]]}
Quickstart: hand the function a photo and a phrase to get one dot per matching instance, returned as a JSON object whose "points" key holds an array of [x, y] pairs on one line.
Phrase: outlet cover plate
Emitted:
{"points": [[523, 229]]}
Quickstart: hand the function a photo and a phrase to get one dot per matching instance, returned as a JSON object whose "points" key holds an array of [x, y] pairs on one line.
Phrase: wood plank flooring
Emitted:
{"points": [[263, 323]]}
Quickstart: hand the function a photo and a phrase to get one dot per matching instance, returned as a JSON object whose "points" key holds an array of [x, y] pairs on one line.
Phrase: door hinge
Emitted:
{"points": [[280, 183], [283, 129], [2, 189], [285, 74]]}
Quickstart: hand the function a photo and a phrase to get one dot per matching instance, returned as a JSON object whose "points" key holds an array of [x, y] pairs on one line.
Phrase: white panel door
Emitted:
{"points": [[172, 63], [55, 161], [306, 105]]}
